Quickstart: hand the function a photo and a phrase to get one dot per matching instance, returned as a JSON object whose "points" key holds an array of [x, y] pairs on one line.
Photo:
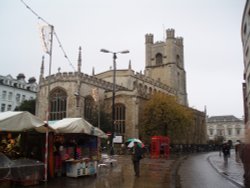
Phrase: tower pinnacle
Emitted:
{"points": [[79, 60]]}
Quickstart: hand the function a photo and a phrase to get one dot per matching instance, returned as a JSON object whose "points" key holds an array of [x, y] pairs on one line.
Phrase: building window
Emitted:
{"points": [[211, 131], [10, 96], [3, 107], [89, 109], [120, 112], [238, 131], [248, 79], [245, 28], [23, 98], [9, 107], [158, 59], [58, 104], [4, 94], [178, 60], [220, 132], [18, 97], [229, 131]]}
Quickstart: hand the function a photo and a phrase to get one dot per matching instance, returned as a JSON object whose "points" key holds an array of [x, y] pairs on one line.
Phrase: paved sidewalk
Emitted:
{"points": [[232, 170]]}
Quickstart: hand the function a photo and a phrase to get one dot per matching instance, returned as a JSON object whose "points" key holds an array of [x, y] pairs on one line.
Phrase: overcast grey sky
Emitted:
{"points": [[210, 28]]}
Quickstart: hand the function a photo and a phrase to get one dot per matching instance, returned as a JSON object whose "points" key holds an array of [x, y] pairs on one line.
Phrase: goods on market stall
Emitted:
{"points": [[27, 171], [75, 154], [5, 164], [21, 171], [10, 145], [16, 130]]}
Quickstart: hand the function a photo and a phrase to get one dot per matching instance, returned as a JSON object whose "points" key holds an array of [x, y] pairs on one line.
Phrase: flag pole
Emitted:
{"points": [[48, 109]]}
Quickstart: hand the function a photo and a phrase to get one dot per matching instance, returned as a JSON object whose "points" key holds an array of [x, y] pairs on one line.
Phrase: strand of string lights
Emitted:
{"points": [[57, 38], [65, 55]]}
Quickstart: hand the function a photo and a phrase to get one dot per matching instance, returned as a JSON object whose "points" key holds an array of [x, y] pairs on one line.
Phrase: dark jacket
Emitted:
{"points": [[226, 149], [137, 153]]}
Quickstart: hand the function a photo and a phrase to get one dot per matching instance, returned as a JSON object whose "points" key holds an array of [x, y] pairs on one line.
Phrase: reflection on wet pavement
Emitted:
{"points": [[233, 168], [154, 174]]}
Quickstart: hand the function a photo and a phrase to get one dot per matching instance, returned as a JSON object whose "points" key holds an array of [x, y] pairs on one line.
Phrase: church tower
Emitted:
{"points": [[165, 63]]}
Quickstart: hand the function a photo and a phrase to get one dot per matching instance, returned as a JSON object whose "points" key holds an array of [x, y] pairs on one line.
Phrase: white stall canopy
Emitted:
{"points": [[76, 125], [20, 121]]}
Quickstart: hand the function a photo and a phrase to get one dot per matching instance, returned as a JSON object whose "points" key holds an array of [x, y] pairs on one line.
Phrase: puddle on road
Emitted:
{"points": [[154, 174]]}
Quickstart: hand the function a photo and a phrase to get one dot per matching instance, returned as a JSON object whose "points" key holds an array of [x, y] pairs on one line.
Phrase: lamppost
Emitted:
{"points": [[113, 91]]}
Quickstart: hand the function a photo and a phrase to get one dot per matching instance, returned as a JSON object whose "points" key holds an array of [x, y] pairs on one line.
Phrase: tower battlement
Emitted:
{"points": [[149, 38], [84, 78], [146, 79], [179, 41], [170, 33]]}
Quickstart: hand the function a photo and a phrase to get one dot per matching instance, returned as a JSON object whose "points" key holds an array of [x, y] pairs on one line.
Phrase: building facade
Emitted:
{"points": [[245, 39], [75, 94], [225, 128], [14, 91]]}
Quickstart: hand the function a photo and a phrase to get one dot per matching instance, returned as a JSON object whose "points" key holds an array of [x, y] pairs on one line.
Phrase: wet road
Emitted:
{"points": [[154, 174], [196, 172]]}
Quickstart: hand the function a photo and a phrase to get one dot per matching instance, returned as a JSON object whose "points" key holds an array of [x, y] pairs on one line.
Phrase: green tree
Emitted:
{"points": [[162, 115], [27, 105]]}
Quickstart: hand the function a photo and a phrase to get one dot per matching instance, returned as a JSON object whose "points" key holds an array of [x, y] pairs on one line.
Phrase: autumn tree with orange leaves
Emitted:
{"points": [[163, 116]]}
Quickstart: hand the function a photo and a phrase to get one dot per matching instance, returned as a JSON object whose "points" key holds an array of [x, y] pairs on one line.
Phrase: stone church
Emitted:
{"points": [[75, 94]]}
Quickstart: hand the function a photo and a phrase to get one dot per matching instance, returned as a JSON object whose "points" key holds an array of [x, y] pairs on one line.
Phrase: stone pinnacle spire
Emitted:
{"points": [[79, 60], [129, 65]]}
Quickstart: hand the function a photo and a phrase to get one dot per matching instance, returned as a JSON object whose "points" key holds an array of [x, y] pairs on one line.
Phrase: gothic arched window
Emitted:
{"points": [[158, 59], [120, 112], [58, 104], [178, 60], [89, 108]]}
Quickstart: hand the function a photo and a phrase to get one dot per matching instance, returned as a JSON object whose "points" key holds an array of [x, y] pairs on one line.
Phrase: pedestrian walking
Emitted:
{"points": [[226, 151], [237, 151], [137, 155]]}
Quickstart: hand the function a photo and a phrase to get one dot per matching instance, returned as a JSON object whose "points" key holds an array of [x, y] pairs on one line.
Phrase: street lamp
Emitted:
{"points": [[78, 96], [113, 91]]}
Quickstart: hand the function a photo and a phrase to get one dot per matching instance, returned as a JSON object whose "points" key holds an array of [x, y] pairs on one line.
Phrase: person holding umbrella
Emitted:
{"points": [[136, 157]]}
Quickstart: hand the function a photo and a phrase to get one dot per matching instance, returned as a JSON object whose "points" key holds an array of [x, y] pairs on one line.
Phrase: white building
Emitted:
{"points": [[228, 127], [14, 91]]}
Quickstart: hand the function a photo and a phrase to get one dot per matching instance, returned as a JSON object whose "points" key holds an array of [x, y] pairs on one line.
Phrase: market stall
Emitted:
{"points": [[75, 147], [20, 121], [15, 130]]}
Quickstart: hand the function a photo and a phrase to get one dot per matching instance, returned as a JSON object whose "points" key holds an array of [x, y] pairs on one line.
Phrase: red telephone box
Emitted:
{"points": [[160, 147]]}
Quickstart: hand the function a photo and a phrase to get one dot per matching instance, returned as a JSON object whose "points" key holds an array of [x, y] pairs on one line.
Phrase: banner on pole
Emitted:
{"points": [[45, 33]]}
